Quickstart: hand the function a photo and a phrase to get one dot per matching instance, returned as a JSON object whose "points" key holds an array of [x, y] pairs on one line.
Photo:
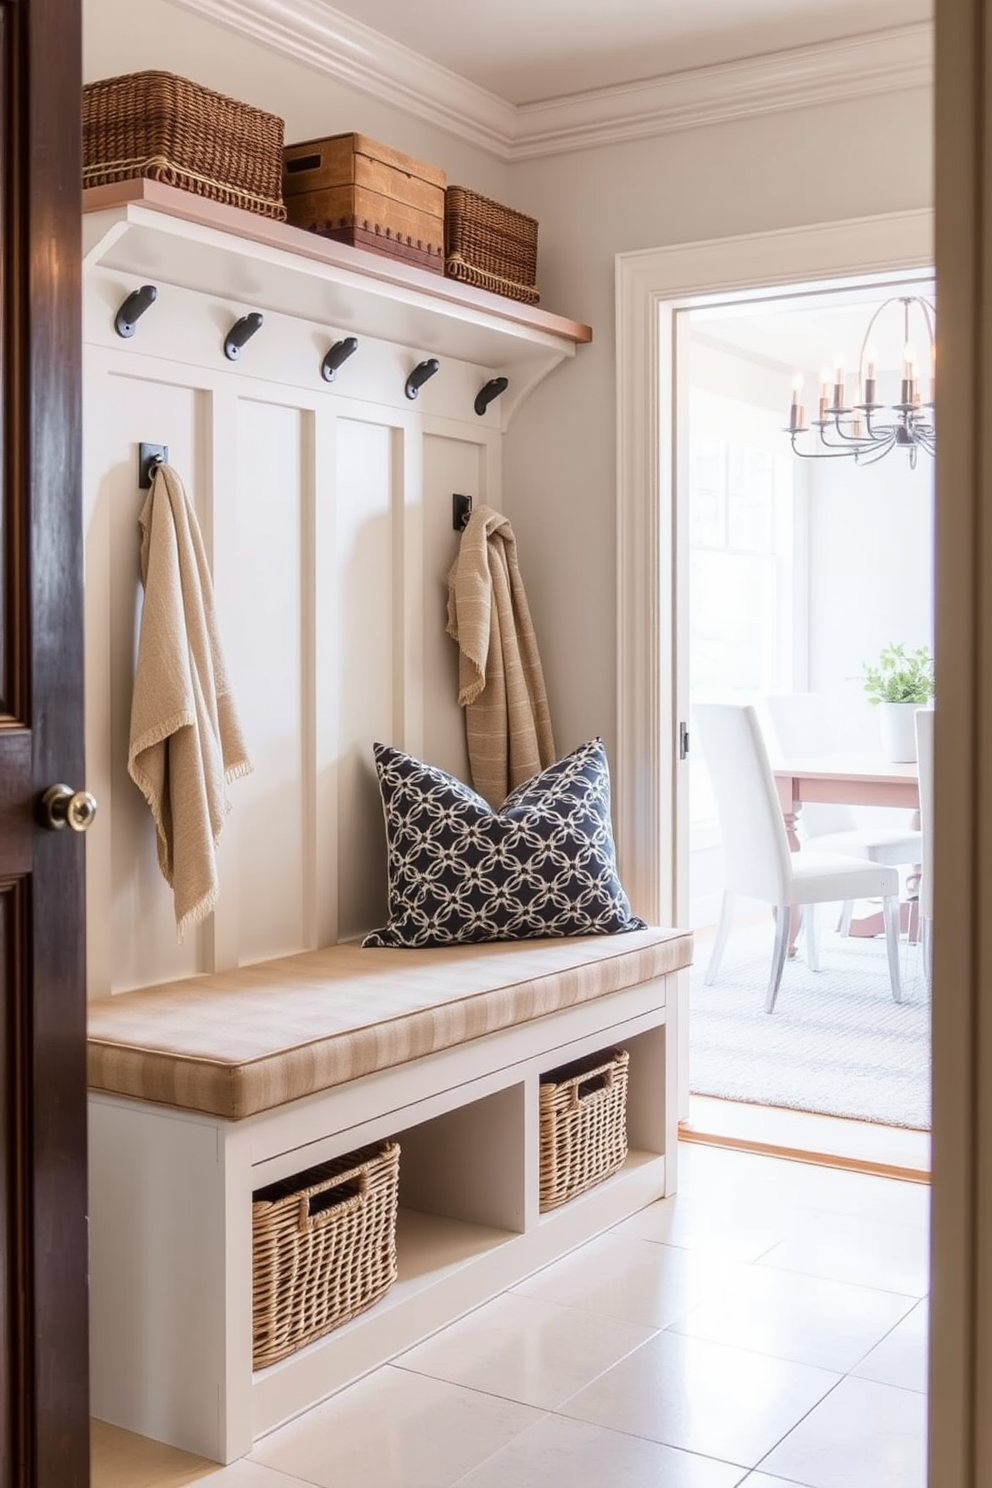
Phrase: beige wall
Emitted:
{"points": [[559, 473]]}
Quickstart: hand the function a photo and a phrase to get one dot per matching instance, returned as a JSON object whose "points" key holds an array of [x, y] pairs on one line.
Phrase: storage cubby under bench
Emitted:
{"points": [[206, 1090]]}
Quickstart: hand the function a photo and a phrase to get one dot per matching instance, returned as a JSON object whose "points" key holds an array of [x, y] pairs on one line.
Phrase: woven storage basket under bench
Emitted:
{"points": [[583, 1125], [169, 129], [323, 1249]]}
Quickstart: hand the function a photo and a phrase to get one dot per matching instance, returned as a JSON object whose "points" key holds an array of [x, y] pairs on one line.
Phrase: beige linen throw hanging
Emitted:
{"points": [[185, 739], [500, 682]]}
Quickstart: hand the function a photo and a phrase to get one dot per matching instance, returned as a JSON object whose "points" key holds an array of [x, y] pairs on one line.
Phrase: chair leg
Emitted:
{"points": [[720, 944], [846, 916], [812, 938], [782, 920], [890, 912]]}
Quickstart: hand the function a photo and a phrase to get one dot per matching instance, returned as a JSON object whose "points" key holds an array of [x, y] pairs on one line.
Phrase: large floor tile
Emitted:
{"points": [[636, 1280], [866, 1252], [864, 1435], [120, 1459], [394, 1430], [559, 1453], [704, 1397], [245, 1475], [527, 1350], [901, 1358], [716, 1174], [828, 1324], [862, 1195], [727, 1226], [762, 1480]]}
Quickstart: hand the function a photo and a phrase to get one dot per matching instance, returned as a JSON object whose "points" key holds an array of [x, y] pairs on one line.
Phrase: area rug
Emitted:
{"points": [[836, 1042]]}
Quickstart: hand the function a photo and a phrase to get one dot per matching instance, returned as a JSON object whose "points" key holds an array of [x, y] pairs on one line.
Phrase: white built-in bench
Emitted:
{"points": [[205, 1090]]}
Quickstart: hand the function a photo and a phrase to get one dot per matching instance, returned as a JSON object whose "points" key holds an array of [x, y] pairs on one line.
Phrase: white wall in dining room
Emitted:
{"points": [[870, 578]]}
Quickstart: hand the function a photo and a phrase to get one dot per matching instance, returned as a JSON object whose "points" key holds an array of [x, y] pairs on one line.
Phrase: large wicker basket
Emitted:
{"points": [[489, 245], [583, 1125], [158, 125], [323, 1249]]}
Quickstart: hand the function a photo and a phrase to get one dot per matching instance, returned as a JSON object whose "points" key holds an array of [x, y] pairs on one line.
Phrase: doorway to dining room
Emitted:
{"points": [[794, 574]]}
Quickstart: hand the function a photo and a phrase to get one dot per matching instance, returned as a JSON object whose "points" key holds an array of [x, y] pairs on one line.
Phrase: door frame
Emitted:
{"points": [[650, 286]]}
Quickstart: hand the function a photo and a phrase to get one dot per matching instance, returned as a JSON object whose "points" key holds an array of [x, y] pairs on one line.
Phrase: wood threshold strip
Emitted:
{"points": [[192, 208], [688, 1133]]}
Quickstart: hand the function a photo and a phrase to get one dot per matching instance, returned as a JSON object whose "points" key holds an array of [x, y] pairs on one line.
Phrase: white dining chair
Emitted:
{"points": [[801, 724], [758, 861], [924, 766]]}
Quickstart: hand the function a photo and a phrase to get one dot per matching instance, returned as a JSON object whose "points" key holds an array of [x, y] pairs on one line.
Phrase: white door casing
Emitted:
{"points": [[652, 286]]}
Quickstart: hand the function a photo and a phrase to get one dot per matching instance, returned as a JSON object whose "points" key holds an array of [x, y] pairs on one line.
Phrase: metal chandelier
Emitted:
{"points": [[863, 428]]}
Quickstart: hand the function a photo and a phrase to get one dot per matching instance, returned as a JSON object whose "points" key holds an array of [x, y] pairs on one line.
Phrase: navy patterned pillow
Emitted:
{"points": [[544, 864]]}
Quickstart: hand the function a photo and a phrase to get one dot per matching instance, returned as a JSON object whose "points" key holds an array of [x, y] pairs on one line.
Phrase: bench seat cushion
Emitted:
{"points": [[234, 1043]]}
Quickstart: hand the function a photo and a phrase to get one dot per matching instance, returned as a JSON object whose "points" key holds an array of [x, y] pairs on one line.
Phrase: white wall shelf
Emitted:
{"points": [[172, 237]]}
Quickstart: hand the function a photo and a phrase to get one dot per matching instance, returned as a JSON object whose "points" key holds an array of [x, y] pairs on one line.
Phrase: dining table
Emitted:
{"points": [[849, 779]]}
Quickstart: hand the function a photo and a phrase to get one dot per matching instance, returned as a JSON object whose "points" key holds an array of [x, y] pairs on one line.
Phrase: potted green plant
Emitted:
{"points": [[899, 683]]}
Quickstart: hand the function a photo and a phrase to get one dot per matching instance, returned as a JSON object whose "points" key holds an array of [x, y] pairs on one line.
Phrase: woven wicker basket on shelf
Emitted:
{"points": [[583, 1125], [169, 129], [323, 1249], [489, 245]]}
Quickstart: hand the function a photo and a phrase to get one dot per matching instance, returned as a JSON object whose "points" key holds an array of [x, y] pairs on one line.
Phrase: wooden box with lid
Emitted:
{"points": [[357, 191]]}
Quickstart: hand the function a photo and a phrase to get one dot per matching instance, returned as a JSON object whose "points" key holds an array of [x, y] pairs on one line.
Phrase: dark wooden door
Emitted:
{"points": [[43, 1259]]}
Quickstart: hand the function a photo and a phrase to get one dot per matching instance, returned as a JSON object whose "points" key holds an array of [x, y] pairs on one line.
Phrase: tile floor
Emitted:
{"points": [[765, 1327]]}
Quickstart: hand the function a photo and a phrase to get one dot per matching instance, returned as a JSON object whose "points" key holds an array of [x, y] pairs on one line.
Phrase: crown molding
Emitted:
{"points": [[315, 34], [831, 72], [312, 32]]}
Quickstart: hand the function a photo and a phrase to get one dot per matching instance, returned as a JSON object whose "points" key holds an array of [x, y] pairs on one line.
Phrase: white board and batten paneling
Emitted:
{"points": [[326, 512]]}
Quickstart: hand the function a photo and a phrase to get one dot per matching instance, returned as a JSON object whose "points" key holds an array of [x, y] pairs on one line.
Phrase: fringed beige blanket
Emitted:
{"points": [[185, 741], [500, 682]]}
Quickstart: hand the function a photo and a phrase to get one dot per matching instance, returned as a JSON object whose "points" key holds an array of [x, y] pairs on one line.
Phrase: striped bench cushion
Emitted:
{"points": [[234, 1043]]}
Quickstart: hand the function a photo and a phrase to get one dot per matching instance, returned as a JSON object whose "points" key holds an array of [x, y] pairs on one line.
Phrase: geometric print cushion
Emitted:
{"points": [[459, 872]]}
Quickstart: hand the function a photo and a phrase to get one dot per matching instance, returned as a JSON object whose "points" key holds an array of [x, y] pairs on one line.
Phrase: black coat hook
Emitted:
{"points": [[492, 390], [339, 352], [150, 456], [461, 510], [420, 374], [133, 308], [241, 332]]}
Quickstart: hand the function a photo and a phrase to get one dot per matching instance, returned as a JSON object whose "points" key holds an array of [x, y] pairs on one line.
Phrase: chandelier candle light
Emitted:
{"points": [[858, 429]]}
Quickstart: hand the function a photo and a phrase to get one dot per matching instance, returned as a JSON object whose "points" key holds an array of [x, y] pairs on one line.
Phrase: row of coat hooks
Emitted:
{"points": [[138, 301]]}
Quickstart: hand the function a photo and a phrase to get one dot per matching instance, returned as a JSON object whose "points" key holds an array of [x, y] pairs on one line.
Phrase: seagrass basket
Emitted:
{"points": [[323, 1249], [489, 245], [169, 129], [583, 1125]]}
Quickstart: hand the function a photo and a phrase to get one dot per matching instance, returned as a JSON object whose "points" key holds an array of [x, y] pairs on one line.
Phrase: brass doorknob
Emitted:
{"points": [[61, 806]]}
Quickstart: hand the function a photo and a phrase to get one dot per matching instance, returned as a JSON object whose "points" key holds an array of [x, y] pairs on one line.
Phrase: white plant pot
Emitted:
{"points": [[899, 731]]}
